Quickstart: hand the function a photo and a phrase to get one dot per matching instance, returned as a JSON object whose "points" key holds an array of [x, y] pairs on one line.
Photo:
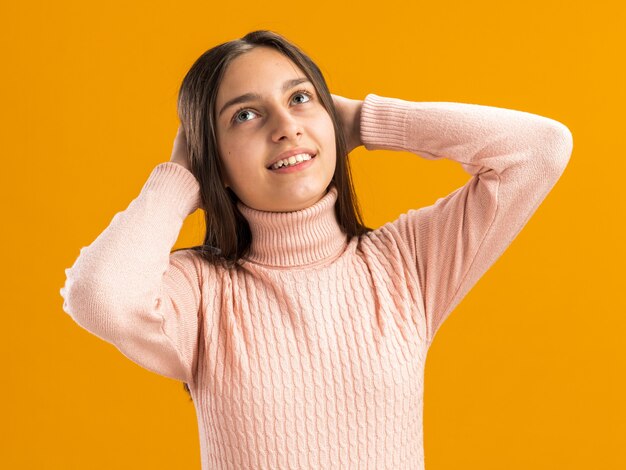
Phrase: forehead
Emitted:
{"points": [[260, 70]]}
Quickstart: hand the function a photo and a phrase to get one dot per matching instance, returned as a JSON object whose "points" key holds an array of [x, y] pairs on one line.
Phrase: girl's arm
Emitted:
{"points": [[128, 289], [514, 157]]}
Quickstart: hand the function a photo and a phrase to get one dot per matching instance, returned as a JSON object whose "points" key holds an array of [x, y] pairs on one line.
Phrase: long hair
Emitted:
{"points": [[228, 236]]}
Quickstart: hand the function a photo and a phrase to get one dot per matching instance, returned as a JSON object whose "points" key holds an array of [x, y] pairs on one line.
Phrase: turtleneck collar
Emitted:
{"points": [[297, 238]]}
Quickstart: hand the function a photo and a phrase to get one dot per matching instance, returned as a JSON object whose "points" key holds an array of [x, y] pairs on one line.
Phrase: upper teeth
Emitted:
{"points": [[291, 160]]}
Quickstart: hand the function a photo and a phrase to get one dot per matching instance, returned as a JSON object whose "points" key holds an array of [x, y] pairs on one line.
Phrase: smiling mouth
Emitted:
{"points": [[282, 167]]}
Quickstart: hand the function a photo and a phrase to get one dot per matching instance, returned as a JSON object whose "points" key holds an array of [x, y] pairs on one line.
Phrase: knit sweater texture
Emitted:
{"points": [[310, 353]]}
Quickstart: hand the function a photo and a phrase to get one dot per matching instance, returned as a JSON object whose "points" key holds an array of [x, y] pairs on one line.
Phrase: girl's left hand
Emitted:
{"points": [[350, 116]]}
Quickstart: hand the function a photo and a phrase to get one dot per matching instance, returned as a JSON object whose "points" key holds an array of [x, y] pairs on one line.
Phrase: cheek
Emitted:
{"points": [[229, 149], [325, 130], [329, 132], [228, 159]]}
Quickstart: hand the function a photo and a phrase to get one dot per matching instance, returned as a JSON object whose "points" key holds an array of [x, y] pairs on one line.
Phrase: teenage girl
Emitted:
{"points": [[300, 333]]}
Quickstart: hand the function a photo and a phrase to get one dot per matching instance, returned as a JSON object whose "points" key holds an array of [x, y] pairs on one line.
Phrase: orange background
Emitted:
{"points": [[528, 371]]}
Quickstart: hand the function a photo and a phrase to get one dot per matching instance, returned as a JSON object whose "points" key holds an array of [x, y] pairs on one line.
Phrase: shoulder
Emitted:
{"points": [[195, 264]]}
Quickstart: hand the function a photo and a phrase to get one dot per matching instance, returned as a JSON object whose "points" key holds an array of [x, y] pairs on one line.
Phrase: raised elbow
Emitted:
{"points": [[85, 303], [557, 144]]}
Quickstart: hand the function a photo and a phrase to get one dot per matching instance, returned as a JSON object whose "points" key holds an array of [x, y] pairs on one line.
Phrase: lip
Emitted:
{"points": [[290, 153]]}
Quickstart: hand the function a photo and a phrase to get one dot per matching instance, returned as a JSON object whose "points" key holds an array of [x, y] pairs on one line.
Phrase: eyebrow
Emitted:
{"points": [[255, 96]]}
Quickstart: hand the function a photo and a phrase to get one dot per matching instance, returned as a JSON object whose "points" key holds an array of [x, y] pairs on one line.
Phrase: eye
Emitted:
{"points": [[240, 112], [308, 95]]}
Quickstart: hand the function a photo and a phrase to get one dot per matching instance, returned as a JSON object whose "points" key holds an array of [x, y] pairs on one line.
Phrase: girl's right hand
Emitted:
{"points": [[179, 150], [349, 111]]}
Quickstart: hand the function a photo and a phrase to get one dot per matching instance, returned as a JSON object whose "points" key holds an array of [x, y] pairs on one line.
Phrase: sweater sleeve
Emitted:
{"points": [[127, 287], [514, 158]]}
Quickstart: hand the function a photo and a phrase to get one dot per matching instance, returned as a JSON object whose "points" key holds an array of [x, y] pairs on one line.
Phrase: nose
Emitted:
{"points": [[286, 126]]}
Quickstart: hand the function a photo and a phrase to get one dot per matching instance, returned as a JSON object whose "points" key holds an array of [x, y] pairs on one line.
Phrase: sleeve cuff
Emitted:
{"points": [[383, 123], [180, 187]]}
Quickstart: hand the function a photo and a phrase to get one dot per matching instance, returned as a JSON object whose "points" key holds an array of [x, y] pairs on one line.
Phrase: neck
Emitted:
{"points": [[303, 237]]}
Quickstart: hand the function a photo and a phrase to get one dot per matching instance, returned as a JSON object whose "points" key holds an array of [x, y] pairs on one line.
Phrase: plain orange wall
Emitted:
{"points": [[527, 372]]}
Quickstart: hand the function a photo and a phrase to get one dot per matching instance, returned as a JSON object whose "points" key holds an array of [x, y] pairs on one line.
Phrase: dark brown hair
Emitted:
{"points": [[228, 235]]}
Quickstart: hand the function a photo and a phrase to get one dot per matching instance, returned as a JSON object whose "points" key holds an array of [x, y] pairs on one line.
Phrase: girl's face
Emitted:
{"points": [[266, 106]]}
